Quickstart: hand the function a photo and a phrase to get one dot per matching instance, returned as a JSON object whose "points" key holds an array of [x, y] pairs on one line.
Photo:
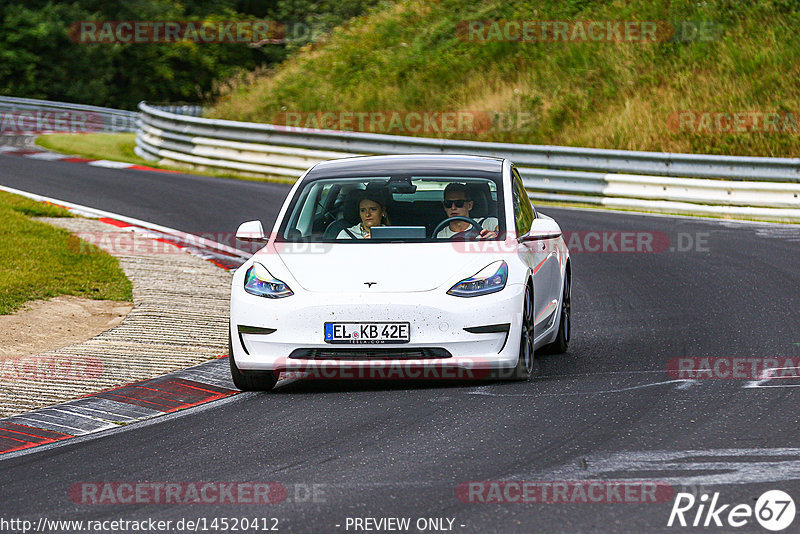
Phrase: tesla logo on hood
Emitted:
{"points": [[370, 284]]}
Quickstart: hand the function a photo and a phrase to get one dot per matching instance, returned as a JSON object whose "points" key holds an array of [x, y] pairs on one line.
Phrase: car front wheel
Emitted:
{"points": [[250, 380], [561, 343], [525, 361]]}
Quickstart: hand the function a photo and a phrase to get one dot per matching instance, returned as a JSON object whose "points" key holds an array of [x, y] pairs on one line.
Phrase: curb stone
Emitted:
{"points": [[178, 320]]}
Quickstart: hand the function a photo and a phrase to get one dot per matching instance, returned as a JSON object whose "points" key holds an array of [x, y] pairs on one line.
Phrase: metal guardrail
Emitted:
{"points": [[180, 109], [31, 116], [767, 188]]}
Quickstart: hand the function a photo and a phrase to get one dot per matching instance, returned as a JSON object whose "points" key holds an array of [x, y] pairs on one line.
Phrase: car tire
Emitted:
{"points": [[561, 343], [526, 363], [250, 380]]}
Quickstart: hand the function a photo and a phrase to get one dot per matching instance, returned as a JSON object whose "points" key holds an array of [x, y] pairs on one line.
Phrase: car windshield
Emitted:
{"points": [[395, 208]]}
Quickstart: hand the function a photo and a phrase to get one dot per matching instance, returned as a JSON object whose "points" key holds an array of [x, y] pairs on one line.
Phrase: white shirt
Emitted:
{"points": [[356, 230], [488, 223]]}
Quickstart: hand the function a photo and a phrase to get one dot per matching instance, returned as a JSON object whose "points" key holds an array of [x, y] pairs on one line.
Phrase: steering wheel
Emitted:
{"points": [[467, 233]]}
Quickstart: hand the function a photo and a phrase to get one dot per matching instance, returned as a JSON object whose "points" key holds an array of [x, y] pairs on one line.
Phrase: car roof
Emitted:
{"points": [[425, 164]]}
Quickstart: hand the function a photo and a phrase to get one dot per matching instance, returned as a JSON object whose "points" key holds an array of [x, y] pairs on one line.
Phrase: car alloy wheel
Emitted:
{"points": [[526, 361]]}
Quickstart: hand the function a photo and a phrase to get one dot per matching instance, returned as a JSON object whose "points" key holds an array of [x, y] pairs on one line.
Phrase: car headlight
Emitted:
{"points": [[258, 281], [490, 279]]}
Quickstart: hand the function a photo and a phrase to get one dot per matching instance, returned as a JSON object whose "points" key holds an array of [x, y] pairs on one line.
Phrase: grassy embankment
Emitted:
{"points": [[408, 56], [40, 261]]}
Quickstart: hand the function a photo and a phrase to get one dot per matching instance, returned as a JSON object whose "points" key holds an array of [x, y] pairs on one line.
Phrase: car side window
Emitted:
{"points": [[515, 197], [524, 214]]}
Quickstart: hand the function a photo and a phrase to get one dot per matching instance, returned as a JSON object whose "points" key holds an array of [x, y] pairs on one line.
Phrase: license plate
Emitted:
{"points": [[368, 332]]}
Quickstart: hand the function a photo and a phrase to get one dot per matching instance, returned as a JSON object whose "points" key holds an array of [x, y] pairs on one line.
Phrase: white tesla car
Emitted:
{"points": [[418, 266]]}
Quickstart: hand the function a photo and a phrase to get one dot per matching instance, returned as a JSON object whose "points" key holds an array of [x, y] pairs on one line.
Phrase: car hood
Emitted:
{"points": [[393, 267]]}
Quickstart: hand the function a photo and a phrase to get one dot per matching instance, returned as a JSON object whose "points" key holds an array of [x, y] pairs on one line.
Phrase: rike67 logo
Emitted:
{"points": [[774, 510]]}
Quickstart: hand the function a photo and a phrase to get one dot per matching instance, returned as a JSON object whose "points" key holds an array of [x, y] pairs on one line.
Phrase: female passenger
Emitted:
{"points": [[372, 211]]}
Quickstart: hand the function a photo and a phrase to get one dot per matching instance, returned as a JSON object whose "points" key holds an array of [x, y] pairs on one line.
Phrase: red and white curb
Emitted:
{"points": [[123, 405], [53, 156], [138, 401]]}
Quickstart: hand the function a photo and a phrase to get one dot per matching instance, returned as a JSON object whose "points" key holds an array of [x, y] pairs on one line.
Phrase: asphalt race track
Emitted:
{"points": [[609, 410], [194, 204]]}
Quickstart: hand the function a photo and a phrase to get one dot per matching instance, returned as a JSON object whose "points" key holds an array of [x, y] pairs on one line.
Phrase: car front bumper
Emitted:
{"points": [[288, 334]]}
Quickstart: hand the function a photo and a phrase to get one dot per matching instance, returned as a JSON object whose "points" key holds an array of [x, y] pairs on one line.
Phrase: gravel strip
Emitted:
{"points": [[179, 319]]}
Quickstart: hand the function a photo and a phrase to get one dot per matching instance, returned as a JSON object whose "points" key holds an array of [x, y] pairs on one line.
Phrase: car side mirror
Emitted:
{"points": [[542, 228], [251, 231]]}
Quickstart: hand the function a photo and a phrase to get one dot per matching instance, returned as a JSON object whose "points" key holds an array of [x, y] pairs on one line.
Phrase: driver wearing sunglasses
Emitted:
{"points": [[458, 203]]}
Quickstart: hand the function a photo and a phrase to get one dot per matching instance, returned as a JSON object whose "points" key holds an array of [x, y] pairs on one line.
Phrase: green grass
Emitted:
{"points": [[115, 147], [40, 261], [31, 208], [407, 56]]}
